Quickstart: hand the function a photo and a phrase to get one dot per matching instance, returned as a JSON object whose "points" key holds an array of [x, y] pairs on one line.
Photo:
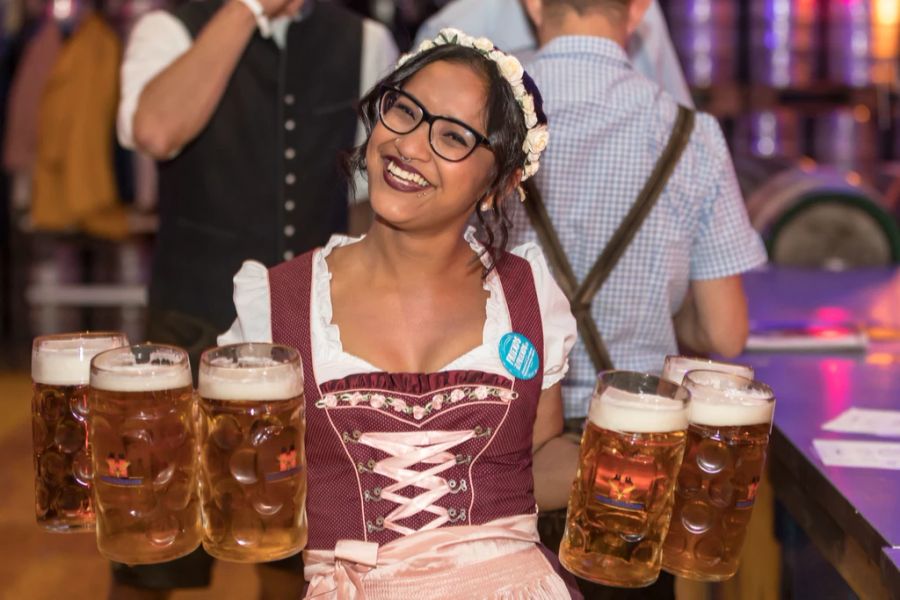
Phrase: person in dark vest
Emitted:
{"points": [[248, 106], [432, 356]]}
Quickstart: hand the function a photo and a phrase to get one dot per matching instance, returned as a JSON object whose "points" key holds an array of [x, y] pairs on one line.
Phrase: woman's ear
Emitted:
{"points": [[506, 190]]}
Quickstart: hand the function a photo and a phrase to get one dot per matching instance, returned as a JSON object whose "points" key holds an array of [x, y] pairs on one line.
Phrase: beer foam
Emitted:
{"points": [[242, 387], [618, 410], [675, 370], [67, 361], [252, 378], [141, 378], [714, 406]]}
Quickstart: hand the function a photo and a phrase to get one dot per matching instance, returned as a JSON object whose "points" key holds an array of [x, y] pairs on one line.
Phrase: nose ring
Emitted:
{"points": [[400, 152]]}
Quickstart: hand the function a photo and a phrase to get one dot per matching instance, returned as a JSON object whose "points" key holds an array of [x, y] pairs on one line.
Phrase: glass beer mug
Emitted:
{"points": [[253, 461], [60, 370], [730, 420], [145, 454], [622, 496]]}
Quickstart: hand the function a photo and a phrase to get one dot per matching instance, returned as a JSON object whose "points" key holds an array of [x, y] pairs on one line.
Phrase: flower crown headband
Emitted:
{"points": [[524, 90]]}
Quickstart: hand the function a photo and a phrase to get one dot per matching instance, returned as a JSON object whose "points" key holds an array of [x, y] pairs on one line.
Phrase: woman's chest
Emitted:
{"points": [[416, 331]]}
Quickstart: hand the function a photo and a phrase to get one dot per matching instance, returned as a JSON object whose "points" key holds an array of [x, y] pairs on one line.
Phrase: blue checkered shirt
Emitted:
{"points": [[608, 127]]}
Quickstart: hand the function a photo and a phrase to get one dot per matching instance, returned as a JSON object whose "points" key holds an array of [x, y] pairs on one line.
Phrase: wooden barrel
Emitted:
{"points": [[822, 217]]}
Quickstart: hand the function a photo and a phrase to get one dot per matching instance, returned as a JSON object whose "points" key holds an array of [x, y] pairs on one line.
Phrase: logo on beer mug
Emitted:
{"points": [[118, 470], [287, 464], [624, 483]]}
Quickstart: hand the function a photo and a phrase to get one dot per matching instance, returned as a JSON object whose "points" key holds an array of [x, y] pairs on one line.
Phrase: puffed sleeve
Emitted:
{"points": [[252, 304], [560, 331]]}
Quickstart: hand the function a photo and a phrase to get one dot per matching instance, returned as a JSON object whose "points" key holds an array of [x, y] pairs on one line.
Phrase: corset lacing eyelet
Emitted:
{"points": [[482, 431], [455, 488], [351, 437], [377, 526], [456, 515]]}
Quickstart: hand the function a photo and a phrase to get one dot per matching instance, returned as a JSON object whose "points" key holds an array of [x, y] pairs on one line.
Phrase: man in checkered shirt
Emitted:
{"points": [[678, 283]]}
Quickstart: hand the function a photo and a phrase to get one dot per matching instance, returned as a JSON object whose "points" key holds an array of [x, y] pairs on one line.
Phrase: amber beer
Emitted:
{"points": [[145, 454], [676, 367], [253, 460], [621, 499], [730, 420], [60, 370]]}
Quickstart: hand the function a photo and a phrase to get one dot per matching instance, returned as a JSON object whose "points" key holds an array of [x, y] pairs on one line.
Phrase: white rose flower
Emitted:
{"points": [[484, 44], [426, 45], [530, 169], [510, 67], [518, 90], [530, 120], [527, 102], [537, 139]]}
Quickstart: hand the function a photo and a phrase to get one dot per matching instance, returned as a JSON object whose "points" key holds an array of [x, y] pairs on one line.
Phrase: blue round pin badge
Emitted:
{"points": [[519, 355]]}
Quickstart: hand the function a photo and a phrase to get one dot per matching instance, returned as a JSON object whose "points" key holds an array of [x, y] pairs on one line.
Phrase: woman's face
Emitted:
{"points": [[410, 186]]}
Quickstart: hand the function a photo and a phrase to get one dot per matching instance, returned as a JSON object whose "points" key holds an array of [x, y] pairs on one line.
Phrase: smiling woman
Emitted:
{"points": [[494, 109], [432, 356]]}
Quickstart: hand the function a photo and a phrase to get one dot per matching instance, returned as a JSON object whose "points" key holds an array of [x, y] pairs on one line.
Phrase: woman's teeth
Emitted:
{"points": [[399, 173]]}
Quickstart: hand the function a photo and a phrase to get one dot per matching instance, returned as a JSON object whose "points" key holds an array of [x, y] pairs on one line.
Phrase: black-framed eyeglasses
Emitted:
{"points": [[450, 138]]}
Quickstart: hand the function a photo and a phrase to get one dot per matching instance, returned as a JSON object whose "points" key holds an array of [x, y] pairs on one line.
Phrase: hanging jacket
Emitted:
{"points": [[74, 182]]}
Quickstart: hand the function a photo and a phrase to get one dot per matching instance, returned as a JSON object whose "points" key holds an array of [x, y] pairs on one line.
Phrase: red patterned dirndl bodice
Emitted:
{"points": [[394, 455]]}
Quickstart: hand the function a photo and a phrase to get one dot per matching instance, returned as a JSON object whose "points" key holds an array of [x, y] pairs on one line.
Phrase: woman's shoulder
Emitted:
{"points": [[315, 256], [532, 254]]}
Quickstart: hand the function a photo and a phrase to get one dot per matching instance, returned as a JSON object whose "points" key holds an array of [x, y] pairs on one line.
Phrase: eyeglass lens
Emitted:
{"points": [[450, 140]]}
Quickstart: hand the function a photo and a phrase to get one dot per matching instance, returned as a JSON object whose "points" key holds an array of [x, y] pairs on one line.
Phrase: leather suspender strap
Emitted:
{"points": [[581, 296]]}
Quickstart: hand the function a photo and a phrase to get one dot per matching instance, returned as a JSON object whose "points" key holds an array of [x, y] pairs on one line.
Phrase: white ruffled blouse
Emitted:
{"points": [[254, 324]]}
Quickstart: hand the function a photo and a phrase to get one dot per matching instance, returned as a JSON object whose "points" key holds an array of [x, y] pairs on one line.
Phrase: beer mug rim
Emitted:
{"points": [[725, 406], [77, 335], [74, 351], [292, 354], [277, 376], [755, 385], [708, 364], [636, 382], [633, 402], [136, 376]]}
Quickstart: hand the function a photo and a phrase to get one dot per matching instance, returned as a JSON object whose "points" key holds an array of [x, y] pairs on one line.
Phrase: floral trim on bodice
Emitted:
{"points": [[437, 402]]}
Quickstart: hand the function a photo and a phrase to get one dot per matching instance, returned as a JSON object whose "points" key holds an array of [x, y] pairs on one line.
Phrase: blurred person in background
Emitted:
{"points": [[678, 283], [247, 105], [649, 46]]}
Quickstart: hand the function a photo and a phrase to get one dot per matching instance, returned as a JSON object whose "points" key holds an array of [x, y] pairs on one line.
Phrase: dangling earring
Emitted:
{"points": [[521, 192]]}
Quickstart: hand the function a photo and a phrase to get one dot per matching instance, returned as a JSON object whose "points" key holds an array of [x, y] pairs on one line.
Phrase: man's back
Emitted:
{"points": [[608, 126]]}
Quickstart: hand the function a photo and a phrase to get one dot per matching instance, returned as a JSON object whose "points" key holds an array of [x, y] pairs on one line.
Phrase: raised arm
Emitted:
{"points": [[177, 103]]}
